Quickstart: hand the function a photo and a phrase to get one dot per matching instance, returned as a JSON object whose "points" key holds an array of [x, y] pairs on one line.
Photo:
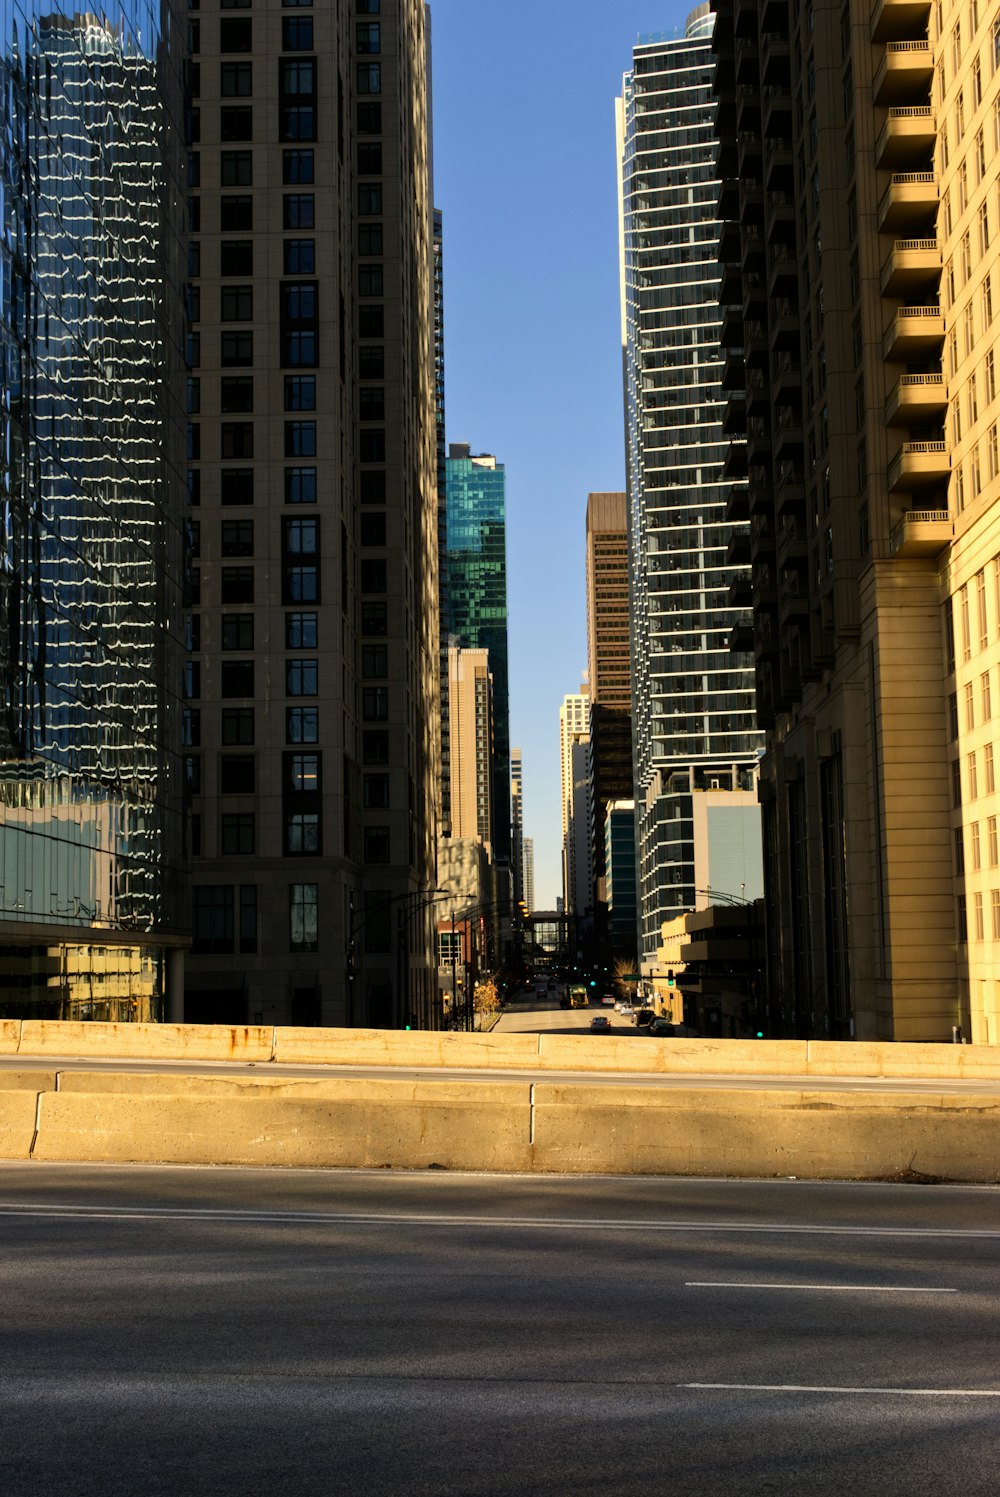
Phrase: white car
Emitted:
{"points": [[625, 1009]]}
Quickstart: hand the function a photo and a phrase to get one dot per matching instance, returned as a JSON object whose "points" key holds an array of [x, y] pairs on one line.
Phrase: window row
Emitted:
{"points": [[298, 211], [236, 440]]}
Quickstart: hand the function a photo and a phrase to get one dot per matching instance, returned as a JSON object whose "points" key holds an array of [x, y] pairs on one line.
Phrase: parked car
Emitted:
{"points": [[600, 1024], [644, 1016]]}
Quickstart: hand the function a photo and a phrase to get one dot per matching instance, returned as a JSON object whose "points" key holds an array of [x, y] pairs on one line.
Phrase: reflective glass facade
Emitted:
{"points": [[477, 600], [91, 322], [693, 697]]}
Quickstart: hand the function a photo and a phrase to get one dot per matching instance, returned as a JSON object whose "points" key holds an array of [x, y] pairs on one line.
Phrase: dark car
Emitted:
{"points": [[644, 1016], [600, 1024], [662, 1027]]}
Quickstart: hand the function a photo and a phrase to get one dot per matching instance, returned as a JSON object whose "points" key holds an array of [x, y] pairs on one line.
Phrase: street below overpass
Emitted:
{"points": [[197, 1331]]}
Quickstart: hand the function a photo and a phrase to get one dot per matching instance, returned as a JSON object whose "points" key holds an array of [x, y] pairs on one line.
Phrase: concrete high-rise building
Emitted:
{"points": [[477, 599], [92, 900], [608, 669], [529, 873], [517, 823], [859, 281], [314, 673], [619, 859], [470, 698], [694, 728], [574, 762]]}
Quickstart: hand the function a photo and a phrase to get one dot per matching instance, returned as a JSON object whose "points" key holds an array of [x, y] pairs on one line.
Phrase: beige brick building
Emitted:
{"points": [[859, 166]]}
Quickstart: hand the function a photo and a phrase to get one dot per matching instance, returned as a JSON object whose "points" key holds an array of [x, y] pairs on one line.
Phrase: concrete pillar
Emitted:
{"points": [[175, 985]]}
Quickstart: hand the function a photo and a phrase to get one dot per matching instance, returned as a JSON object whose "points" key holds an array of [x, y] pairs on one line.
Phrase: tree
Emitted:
{"points": [[625, 982], [485, 998]]}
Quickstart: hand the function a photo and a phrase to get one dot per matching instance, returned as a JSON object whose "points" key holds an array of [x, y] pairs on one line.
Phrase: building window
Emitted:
{"points": [[297, 33], [373, 576], [375, 703], [977, 914], [237, 439], [303, 917], [236, 36], [236, 678], [236, 257], [236, 123], [237, 304], [302, 837], [301, 678], [236, 394], [988, 769], [236, 168], [369, 78], [235, 80], [237, 774], [299, 210], [369, 37], [300, 485], [297, 166], [236, 214], [370, 280], [995, 912], [300, 392], [301, 631], [191, 727], [236, 485], [236, 350], [237, 585], [300, 256], [192, 679], [370, 198], [375, 746], [237, 726], [369, 158], [976, 854], [376, 844], [376, 792], [237, 833], [374, 618], [375, 662], [302, 724], [373, 528], [213, 918]]}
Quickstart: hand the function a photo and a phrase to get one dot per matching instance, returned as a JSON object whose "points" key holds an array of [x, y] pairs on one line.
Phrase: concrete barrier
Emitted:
{"points": [[145, 1041], [27, 1081], [867, 1058], [647, 1053], [325, 1124], [417, 1047], [17, 1122], [745, 1134], [10, 1036]]}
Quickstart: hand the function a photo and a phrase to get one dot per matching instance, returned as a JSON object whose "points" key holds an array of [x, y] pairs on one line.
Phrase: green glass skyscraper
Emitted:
{"points": [[477, 599]]}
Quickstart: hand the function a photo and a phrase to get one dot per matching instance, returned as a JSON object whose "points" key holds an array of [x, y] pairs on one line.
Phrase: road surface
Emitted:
{"points": [[187, 1331]]}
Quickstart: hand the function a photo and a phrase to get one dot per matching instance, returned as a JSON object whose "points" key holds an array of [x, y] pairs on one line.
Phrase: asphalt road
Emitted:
{"points": [[180, 1331]]}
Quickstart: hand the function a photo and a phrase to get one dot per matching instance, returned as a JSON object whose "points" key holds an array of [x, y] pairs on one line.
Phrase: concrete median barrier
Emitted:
{"points": [[145, 1041], [393, 1047], [324, 1124], [822, 1136], [863, 1058], [648, 1053], [18, 1107], [10, 1035]]}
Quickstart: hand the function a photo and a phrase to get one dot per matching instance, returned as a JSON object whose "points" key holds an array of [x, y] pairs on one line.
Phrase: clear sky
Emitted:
{"points": [[525, 174]]}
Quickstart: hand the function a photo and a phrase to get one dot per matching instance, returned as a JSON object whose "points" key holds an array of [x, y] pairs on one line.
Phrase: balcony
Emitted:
{"points": [[922, 532], [914, 333], [779, 168], [774, 60], [740, 591], [907, 138], [783, 274], [786, 329], [738, 505], [910, 201], [912, 265], [916, 399], [734, 376], [734, 415], [758, 393], [919, 465], [776, 111], [738, 549], [904, 75], [763, 590], [895, 19], [741, 639], [732, 321]]}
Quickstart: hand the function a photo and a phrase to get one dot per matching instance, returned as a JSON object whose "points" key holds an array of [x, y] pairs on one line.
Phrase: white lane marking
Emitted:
{"points": [[867, 1392], [59, 1210], [826, 1288]]}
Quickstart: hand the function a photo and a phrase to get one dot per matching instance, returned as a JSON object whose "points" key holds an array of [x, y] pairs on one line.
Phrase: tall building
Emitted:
{"points": [[859, 279], [692, 699], [477, 599], [529, 873], [608, 670], [574, 764], [517, 823], [92, 899], [470, 698], [314, 673], [619, 859]]}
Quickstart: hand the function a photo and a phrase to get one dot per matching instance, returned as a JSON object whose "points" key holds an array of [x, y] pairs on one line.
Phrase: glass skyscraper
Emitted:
{"points": [[693, 694], [477, 600], [91, 434]]}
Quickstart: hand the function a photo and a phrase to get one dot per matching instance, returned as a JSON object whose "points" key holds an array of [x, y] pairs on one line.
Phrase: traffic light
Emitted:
{"points": [[671, 979]]}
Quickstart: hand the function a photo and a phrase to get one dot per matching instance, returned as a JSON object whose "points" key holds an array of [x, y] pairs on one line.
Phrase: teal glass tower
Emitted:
{"points": [[477, 599]]}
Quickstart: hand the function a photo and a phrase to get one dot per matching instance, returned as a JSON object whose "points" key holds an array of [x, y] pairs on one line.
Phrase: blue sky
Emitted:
{"points": [[524, 162]]}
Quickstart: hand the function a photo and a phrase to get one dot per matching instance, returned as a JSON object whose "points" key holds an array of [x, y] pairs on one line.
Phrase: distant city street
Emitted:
{"points": [[180, 1331]]}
